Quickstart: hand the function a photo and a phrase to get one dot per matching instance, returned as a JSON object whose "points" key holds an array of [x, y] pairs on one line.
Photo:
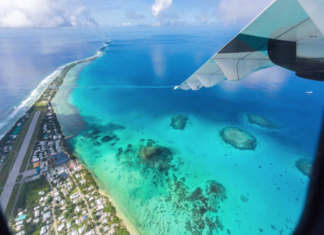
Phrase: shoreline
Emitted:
{"points": [[58, 79], [128, 225]]}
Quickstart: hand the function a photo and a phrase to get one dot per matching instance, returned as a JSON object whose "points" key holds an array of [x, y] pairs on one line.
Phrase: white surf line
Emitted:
{"points": [[40, 89], [113, 87]]}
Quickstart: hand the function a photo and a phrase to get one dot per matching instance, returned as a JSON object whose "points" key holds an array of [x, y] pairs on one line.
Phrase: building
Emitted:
{"points": [[46, 215], [37, 171], [60, 158], [43, 230], [64, 175], [60, 227]]}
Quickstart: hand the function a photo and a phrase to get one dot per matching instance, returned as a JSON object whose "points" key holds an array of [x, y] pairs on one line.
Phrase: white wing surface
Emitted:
{"points": [[284, 21]]}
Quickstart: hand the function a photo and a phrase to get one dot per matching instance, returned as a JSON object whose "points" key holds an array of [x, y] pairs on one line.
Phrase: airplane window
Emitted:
{"points": [[158, 128]]}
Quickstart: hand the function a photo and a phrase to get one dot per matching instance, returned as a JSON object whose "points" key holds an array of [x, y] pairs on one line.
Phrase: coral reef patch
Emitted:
{"points": [[304, 166], [262, 121], [158, 165], [179, 122], [238, 138]]}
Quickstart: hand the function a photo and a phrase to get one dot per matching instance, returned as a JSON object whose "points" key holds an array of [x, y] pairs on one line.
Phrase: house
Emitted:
{"points": [[105, 228], [77, 209], [104, 215], [74, 195], [75, 200], [19, 222], [60, 218], [21, 233], [21, 217], [35, 221], [41, 193], [100, 207], [64, 175], [46, 215], [60, 227], [104, 221], [81, 230], [19, 227], [72, 164], [77, 221], [99, 201], [36, 213], [43, 230], [68, 225], [74, 232], [92, 232], [82, 181]]}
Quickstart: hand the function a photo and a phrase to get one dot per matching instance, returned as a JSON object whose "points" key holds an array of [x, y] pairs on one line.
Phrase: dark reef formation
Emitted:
{"points": [[244, 199], [107, 138], [262, 121], [238, 138], [304, 166], [160, 167], [179, 122], [98, 136]]}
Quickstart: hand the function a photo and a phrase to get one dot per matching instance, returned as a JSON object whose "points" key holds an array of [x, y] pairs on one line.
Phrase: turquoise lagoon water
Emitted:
{"points": [[200, 184]]}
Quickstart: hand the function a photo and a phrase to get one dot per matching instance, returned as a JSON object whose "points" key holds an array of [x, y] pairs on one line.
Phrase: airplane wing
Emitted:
{"points": [[287, 28]]}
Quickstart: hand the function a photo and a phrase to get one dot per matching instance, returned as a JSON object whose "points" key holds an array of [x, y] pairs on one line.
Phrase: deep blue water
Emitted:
{"points": [[28, 56], [123, 93]]}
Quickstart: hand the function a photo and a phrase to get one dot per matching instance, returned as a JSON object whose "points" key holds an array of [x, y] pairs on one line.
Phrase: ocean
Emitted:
{"points": [[31, 58], [164, 180]]}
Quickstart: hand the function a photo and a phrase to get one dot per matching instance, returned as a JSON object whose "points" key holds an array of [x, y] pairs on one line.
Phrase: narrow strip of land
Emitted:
{"points": [[7, 190]]}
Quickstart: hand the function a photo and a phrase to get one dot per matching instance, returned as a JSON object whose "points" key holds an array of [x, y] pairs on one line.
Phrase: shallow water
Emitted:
{"points": [[198, 184]]}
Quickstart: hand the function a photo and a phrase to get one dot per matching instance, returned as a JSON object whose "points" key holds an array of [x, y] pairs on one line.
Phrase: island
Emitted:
{"points": [[53, 193], [238, 138], [179, 122], [304, 166], [262, 121]]}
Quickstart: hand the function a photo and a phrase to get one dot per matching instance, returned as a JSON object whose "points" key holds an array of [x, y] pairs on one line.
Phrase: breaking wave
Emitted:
{"points": [[17, 112]]}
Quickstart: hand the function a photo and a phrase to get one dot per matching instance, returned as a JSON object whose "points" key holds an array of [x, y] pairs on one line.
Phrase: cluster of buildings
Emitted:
{"points": [[88, 206], [74, 205], [41, 214], [49, 146]]}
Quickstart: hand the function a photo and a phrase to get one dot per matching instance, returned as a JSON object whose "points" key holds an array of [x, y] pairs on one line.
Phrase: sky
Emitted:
{"points": [[125, 13]]}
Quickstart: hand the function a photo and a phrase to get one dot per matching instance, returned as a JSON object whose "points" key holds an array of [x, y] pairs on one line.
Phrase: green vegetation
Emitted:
{"points": [[11, 201], [14, 152], [30, 200], [19, 178]]}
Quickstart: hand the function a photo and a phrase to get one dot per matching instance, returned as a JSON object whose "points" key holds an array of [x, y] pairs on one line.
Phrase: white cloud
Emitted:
{"points": [[238, 11], [126, 24], [159, 6], [43, 14]]}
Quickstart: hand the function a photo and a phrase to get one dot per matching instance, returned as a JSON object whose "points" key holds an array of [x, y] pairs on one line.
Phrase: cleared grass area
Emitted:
{"points": [[14, 152], [11, 201], [33, 139], [30, 167], [19, 178]]}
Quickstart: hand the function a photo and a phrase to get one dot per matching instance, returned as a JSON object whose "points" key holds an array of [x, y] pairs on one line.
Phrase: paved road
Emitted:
{"points": [[7, 190], [29, 173]]}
